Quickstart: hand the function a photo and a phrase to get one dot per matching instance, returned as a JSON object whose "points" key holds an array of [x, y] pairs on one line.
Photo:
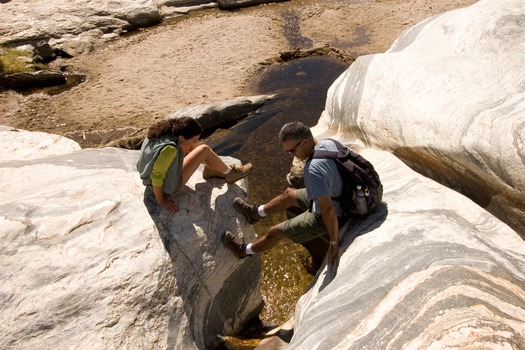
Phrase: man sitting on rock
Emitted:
{"points": [[322, 182]]}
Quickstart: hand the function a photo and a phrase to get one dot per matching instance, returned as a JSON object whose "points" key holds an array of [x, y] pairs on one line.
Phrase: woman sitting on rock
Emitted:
{"points": [[171, 153]]}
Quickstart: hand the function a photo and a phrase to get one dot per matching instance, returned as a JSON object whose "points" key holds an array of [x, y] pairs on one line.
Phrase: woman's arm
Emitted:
{"points": [[166, 203]]}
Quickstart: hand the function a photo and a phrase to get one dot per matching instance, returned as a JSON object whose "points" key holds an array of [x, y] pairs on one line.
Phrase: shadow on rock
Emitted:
{"points": [[217, 293], [348, 233]]}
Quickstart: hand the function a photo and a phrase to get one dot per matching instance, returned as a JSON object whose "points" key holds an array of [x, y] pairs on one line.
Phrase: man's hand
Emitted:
{"points": [[332, 227], [332, 252]]}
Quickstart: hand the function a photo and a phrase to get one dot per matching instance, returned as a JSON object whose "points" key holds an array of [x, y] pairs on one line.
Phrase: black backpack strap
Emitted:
{"points": [[337, 143], [324, 155]]}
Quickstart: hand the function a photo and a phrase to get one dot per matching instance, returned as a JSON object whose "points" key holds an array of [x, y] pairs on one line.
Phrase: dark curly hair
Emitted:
{"points": [[186, 127]]}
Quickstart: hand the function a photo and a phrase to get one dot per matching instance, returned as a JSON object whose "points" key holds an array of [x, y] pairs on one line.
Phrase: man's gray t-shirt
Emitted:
{"points": [[322, 178]]}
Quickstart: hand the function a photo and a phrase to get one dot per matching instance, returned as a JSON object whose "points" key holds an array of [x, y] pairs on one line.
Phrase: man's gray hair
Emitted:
{"points": [[294, 131]]}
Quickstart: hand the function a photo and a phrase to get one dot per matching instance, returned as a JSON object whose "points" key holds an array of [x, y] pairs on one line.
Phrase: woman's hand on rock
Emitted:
{"points": [[169, 205]]}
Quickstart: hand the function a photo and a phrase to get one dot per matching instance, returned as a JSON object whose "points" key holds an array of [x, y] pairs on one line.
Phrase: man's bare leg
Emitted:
{"points": [[267, 241], [281, 202]]}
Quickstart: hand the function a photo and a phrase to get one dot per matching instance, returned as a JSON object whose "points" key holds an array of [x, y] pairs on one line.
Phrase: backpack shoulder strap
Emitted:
{"points": [[327, 154], [337, 143], [324, 154]]}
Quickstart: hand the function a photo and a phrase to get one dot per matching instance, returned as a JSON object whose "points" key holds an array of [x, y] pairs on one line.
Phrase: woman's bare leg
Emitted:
{"points": [[199, 155]]}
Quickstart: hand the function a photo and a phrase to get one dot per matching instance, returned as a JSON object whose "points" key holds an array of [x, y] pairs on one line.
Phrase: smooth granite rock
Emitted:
{"points": [[449, 99], [21, 144], [75, 27], [67, 21], [85, 265], [429, 270], [215, 114]]}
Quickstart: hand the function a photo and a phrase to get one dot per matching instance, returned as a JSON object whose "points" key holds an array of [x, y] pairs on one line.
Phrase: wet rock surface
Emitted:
{"points": [[27, 81]]}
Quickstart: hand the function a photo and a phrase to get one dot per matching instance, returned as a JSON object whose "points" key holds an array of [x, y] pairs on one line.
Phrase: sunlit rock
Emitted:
{"points": [[77, 27], [429, 270], [215, 114], [65, 20], [449, 99], [24, 145], [85, 265]]}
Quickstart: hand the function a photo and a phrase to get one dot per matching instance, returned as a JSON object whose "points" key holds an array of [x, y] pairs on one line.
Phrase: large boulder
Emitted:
{"points": [[429, 270], [68, 21], [75, 27], [449, 99], [26, 21], [214, 115], [88, 261]]}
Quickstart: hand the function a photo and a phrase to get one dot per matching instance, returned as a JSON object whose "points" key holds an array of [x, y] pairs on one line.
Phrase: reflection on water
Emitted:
{"points": [[301, 87]]}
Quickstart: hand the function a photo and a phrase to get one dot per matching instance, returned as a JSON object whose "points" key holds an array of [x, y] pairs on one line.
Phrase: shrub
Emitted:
{"points": [[15, 61]]}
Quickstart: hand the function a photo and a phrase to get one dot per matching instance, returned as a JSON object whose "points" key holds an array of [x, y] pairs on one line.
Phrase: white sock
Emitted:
{"points": [[227, 171], [260, 211], [248, 249]]}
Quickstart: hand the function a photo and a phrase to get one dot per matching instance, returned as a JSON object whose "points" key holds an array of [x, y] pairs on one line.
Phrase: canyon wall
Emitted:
{"points": [[448, 98], [431, 268]]}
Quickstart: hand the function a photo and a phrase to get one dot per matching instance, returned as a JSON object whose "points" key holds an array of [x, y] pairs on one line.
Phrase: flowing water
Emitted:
{"points": [[301, 86]]}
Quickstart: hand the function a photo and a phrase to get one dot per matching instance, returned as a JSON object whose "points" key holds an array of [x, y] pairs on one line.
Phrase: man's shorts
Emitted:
{"points": [[305, 226]]}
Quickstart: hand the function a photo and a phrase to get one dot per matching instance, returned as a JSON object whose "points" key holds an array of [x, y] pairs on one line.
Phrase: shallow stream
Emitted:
{"points": [[301, 86]]}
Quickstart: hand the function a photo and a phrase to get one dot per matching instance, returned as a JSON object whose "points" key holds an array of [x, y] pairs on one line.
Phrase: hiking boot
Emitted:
{"points": [[238, 172], [234, 244], [248, 210]]}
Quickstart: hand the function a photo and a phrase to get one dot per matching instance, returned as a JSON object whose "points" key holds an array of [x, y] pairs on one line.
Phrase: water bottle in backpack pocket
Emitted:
{"points": [[361, 205]]}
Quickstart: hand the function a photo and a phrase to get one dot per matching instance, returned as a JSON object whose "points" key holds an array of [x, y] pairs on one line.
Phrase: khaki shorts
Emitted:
{"points": [[305, 226]]}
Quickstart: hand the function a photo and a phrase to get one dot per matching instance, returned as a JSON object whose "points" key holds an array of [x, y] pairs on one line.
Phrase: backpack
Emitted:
{"points": [[362, 188]]}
